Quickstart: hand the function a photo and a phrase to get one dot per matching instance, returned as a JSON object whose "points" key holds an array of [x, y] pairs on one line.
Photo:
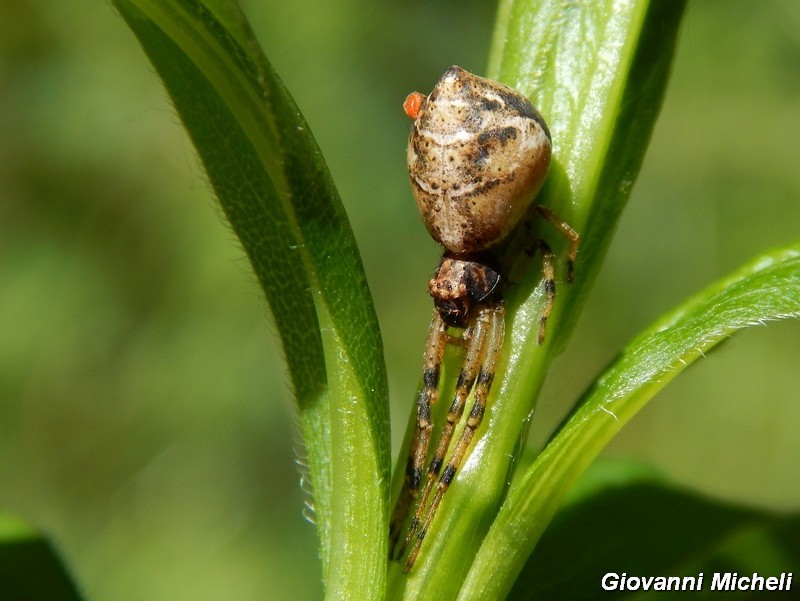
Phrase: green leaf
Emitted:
{"points": [[276, 192], [641, 526], [766, 289], [30, 568], [597, 71]]}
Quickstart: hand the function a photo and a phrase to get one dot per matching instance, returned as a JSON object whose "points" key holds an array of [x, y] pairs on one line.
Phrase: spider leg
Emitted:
{"points": [[418, 450], [474, 336], [479, 368], [566, 231], [548, 270]]}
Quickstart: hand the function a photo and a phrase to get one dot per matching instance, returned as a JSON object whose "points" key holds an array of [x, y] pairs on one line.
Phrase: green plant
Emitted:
{"points": [[275, 190]]}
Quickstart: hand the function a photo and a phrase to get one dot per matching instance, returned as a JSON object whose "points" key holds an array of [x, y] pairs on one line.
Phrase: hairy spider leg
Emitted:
{"points": [[438, 339], [480, 364], [474, 337], [566, 230], [549, 273]]}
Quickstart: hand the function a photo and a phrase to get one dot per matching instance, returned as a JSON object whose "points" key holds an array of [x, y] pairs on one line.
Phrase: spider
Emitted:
{"points": [[478, 154]]}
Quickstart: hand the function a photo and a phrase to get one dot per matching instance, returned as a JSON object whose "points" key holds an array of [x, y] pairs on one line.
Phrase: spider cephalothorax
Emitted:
{"points": [[460, 284], [478, 154]]}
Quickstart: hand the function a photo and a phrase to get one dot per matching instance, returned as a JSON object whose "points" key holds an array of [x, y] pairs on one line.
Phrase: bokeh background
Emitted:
{"points": [[145, 418]]}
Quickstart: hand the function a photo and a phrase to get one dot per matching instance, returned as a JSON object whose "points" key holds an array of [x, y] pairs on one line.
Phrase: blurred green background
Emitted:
{"points": [[145, 418]]}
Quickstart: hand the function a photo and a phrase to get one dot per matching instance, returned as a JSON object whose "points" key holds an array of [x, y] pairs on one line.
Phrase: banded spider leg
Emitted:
{"points": [[465, 293]]}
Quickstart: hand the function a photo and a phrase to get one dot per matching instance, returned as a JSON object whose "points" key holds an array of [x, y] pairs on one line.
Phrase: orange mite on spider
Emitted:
{"points": [[478, 154]]}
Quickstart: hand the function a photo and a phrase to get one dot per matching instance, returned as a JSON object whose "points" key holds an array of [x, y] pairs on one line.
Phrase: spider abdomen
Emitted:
{"points": [[478, 154]]}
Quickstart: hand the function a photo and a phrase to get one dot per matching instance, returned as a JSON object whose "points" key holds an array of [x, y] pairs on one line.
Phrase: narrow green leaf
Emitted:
{"points": [[275, 190], [30, 568], [597, 72], [644, 527], [766, 289]]}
